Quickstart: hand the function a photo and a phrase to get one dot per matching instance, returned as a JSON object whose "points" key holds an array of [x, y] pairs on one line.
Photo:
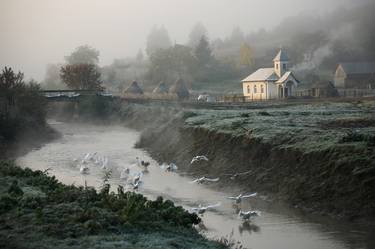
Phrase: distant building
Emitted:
{"points": [[162, 88], [180, 90], [133, 89], [359, 75], [271, 83], [320, 89]]}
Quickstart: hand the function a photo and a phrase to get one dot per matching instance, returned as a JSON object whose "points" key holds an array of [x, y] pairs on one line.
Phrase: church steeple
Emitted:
{"points": [[281, 62]]}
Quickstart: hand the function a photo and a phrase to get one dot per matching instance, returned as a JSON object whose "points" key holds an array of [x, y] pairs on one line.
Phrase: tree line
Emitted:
{"points": [[315, 45]]}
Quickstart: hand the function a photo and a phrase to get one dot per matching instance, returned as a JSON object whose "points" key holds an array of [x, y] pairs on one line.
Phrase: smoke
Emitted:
{"points": [[313, 60]]}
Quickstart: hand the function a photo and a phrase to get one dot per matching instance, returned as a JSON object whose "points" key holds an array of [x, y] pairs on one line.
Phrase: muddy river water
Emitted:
{"points": [[278, 227]]}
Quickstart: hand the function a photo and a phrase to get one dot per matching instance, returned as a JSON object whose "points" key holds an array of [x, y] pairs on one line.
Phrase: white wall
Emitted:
{"points": [[250, 93]]}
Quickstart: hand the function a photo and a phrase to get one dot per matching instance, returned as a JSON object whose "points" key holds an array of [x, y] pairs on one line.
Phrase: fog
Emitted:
{"points": [[35, 33]]}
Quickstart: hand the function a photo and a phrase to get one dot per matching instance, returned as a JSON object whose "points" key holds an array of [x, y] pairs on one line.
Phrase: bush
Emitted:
{"points": [[90, 211], [21, 106]]}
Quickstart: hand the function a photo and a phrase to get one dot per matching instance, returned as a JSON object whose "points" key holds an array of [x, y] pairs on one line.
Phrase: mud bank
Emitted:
{"points": [[334, 181], [30, 138]]}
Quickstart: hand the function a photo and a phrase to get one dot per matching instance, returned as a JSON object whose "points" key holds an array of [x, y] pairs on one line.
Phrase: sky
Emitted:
{"points": [[34, 33]]}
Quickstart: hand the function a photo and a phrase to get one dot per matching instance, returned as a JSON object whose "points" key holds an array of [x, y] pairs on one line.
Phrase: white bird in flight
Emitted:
{"points": [[137, 177], [88, 157], [238, 199], [248, 215], [104, 162], [201, 210], [136, 185], [205, 179], [125, 174], [198, 158], [83, 169]]}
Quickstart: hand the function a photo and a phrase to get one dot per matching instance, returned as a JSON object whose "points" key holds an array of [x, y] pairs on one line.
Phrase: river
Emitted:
{"points": [[278, 227]]}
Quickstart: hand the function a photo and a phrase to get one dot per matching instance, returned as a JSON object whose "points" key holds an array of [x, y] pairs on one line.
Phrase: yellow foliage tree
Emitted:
{"points": [[246, 55]]}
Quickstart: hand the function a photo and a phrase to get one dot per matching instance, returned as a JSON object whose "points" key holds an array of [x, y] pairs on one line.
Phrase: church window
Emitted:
{"points": [[284, 66], [261, 88], [248, 89], [255, 88], [277, 66]]}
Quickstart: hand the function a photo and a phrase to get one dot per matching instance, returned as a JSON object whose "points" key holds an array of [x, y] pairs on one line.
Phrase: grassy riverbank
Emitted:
{"points": [[320, 157], [37, 211], [317, 156]]}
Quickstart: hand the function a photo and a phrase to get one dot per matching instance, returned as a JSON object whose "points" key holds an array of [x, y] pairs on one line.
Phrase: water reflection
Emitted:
{"points": [[247, 226]]}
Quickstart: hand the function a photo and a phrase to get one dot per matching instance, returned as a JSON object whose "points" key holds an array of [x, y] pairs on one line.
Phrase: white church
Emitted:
{"points": [[271, 83]]}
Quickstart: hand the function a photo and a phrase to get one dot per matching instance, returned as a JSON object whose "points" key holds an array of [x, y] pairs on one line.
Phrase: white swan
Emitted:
{"points": [[205, 179], [88, 157], [198, 158], [137, 177], [104, 163], [238, 199], [136, 185], [169, 167], [201, 209], [125, 174], [248, 215], [83, 169]]}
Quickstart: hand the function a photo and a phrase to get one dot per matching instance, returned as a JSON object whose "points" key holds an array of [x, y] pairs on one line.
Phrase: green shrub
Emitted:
{"points": [[7, 202]]}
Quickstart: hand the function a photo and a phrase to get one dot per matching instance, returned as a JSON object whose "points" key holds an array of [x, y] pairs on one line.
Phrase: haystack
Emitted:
{"points": [[134, 88], [162, 88], [180, 89]]}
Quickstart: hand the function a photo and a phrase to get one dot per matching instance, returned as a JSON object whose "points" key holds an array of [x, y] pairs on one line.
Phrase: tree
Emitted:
{"points": [[168, 64], [246, 55], [83, 55], [203, 52], [157, 39], [11, 85], [21, 105], [237, 37], [196, 34], [81, 76]]}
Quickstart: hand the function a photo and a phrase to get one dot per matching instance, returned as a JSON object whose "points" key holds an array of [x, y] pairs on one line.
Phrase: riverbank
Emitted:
{"points": [[318, 157], [37, 211], [30, 137]]}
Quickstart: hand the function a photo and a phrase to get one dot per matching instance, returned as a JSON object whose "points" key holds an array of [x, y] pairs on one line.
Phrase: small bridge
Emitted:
{"points": [[71, 95]]}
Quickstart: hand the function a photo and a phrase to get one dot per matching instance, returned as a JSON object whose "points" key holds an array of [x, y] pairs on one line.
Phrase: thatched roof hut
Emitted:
{"points": [[162, 88], [180, 89], [134, 88]]}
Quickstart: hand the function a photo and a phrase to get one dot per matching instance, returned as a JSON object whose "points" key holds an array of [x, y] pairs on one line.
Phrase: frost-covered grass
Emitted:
{"points": [[311, 127], [37, 211]]}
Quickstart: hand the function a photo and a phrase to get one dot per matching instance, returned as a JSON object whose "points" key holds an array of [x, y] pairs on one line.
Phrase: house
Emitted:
{"points": [[133, 89], [359, 75], [180, 90], [276, 82], [162, 88]]}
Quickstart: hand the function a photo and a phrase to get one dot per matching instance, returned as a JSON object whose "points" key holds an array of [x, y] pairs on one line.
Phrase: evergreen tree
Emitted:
{"points": [[203, 52]]}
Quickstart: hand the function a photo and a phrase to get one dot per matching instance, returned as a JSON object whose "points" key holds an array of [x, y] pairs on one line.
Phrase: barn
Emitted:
{"points": [[356, 75]]}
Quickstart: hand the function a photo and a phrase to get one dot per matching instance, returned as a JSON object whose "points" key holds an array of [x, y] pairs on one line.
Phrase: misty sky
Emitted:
{"points": [[34, 33]]}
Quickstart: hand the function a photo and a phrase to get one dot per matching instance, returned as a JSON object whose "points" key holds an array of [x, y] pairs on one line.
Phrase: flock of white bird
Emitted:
{"points": [[134, 179]]}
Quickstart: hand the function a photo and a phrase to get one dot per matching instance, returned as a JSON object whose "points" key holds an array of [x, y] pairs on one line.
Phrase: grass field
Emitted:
{"points": [[307, 128]]}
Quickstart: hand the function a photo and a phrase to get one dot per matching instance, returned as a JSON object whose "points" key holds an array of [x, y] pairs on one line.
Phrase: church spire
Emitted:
{"points": [[281, 62]]}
